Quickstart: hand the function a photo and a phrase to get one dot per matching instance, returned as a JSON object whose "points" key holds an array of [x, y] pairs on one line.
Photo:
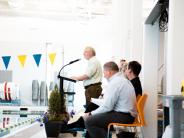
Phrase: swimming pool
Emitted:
{"points": [[15, 118]]}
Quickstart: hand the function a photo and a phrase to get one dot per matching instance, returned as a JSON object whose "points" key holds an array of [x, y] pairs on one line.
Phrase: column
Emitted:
{"points": [[136, 30], [150, 77], [127, 29], [175, 48], [120, 28]]}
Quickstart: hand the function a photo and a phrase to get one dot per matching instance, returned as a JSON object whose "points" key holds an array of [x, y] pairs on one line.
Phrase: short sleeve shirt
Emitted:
{"points": [[93, 71]]}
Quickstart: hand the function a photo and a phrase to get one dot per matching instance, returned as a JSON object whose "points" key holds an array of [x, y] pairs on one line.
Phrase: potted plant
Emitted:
{"points": [[57, 116]]}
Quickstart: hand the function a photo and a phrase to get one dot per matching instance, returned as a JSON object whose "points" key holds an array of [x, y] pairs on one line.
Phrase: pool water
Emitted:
{"points": [[12, 120]]}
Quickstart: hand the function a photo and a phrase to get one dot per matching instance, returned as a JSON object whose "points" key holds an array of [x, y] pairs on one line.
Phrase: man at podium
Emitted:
{"points": [[92, 77]]}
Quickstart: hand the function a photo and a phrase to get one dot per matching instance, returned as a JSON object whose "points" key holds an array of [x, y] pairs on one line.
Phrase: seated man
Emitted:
{"points": [[132, 73], [118, 106]]}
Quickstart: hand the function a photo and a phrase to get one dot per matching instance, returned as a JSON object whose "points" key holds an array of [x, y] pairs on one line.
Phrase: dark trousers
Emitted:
{"points": [[91, 107], [93, 91], [80, 122], [97, 125]]}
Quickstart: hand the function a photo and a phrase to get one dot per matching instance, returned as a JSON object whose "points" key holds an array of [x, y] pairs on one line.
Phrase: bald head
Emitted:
{"points": [[110, 68], [89, 52]]}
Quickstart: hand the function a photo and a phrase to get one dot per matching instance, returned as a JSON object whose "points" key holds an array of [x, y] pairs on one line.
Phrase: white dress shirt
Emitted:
{"points": [[119, 96]]}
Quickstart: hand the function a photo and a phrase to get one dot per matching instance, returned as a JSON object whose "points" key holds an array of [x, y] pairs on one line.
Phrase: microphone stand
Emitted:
{"points": [[62, 80], [62, 69], [71, 62]]}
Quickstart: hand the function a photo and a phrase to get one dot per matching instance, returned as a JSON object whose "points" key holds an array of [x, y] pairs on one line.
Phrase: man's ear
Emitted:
{"points": [[111, 72]]}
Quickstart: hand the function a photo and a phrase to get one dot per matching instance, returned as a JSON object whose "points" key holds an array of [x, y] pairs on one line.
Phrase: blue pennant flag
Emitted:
{"points": [[6, 60], [37, 58]]}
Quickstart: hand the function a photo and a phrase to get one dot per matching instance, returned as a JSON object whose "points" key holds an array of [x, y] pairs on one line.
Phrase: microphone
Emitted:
{"points": [[71, 62]]}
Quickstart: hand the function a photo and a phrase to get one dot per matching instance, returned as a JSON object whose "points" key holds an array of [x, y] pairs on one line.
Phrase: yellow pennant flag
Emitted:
{"points": [[52, 57], [22, 59]]}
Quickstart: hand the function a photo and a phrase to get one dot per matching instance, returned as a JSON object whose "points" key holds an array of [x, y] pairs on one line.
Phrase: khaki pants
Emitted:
{"points": [[93, 91]]}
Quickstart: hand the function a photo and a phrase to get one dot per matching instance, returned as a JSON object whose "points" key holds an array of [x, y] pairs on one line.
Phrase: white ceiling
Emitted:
{"points": [[65, 9]]}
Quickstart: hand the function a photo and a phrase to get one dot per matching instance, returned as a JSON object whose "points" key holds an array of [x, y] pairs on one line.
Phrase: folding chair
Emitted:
{"points": [[139, 120]]}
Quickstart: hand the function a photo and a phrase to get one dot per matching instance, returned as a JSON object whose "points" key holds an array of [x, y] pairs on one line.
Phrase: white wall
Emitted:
{"points": [[120, 28], [135, 34], [24, 75], [26, 35]]}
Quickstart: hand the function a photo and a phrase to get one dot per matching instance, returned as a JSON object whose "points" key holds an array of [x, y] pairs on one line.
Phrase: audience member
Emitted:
{"points": [[119, 103], [132, 73]]}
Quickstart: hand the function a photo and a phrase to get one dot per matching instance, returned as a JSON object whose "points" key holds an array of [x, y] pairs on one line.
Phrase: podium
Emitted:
{"points": [[61, 79], [61, 82]]}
